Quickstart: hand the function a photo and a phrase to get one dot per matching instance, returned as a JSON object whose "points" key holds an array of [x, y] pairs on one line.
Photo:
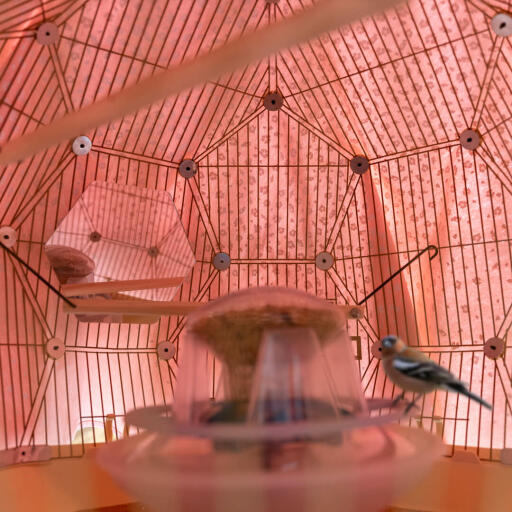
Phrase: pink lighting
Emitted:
{"points": [[274, 188]]}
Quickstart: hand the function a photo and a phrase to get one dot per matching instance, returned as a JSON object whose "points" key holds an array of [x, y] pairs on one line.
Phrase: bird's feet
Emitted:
{"points": [[397, 400], [410, 405]]}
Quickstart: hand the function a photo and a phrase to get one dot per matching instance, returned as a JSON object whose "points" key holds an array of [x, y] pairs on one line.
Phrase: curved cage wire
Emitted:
{"points": [[274, 189]]}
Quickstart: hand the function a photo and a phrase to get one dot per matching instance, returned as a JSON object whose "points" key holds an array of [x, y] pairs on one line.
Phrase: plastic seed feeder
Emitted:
{"points": [[279, 422]]}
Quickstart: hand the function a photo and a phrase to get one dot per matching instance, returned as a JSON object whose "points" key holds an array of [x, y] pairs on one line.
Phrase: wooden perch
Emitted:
{"points": [[130, 307], [322, 17], [76, 289], [139, 307]]}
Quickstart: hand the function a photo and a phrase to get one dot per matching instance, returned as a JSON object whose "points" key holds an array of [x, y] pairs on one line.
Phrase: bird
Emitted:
{"points": [[412, 370]]}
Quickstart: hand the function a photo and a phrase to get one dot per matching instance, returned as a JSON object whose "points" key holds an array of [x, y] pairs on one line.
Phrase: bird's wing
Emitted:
{"points": [[430, 372], [415, 355], [427, 371]]}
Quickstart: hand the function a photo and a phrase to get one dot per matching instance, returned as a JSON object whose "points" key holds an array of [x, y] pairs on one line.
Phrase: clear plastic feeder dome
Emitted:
{"points": [[274, 349], [268, 415]]}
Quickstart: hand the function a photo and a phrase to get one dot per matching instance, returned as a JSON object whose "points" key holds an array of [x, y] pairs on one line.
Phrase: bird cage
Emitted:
{"points": [[324, 165]]}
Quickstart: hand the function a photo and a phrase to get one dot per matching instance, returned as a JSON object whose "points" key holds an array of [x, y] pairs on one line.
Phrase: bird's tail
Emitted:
{"points": [[458, 387]]}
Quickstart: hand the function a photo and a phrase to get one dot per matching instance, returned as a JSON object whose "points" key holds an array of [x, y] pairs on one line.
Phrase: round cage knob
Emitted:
{"points": [[494, 348], [188, 168], [501, 24], [165, 350], [8, 236], [55, 348], [221, 261], [153, 251], [273, 101], [94, 236], [359, 164], [470, 139], [356, 312], [47, 33], [82, 145], [377, 350], [324, 260]]}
